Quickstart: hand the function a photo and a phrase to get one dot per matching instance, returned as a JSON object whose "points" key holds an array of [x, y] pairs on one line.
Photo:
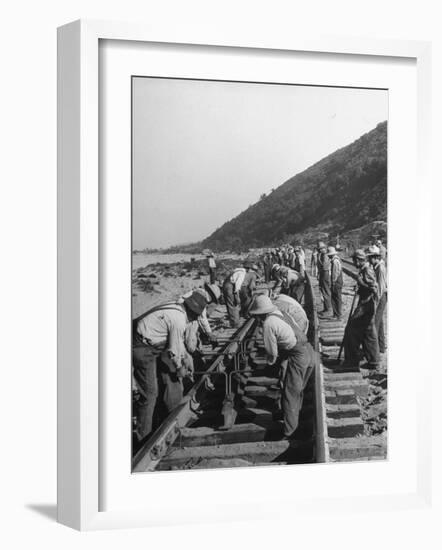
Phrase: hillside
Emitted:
{"points": [[342, 192]]}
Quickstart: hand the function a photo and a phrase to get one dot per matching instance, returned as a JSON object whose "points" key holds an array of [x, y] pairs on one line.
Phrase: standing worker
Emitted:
{"points": [[380, 271], [336, 282], [159, 356], [284, 341], [212, 267], [382, 250], [267, 261], [314, 262], [324, 277], [361, 329]]}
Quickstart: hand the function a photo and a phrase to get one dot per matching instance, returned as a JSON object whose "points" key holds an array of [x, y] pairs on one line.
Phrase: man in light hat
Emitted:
{"points": [[160, 358], [285, 341], [377, 263], [324, 277], [361, 330], [286, 281], [336, 282]]}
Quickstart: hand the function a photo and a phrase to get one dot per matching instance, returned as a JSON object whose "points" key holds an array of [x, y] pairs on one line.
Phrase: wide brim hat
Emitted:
{"points": [[196, 302], [262, 305], [247, 264], [372, 251], [214, 291], [331, 251], [321, 244], [359, 254]]}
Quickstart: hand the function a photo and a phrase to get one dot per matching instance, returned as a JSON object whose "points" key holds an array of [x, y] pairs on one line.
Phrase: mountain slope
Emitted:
{"points": [[343, 191]]}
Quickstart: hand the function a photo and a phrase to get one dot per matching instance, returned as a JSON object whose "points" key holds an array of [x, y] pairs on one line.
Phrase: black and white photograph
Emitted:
{"points": [[259, 274]]}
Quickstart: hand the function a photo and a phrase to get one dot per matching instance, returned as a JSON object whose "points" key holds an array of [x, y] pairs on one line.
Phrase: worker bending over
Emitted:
{"points": [[286, 281], [211, 293], [160, 357], [284, 341], [287, 304], [237, 290]]}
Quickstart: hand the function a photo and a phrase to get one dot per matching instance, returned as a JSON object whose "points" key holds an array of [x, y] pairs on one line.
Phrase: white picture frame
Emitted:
{"points": [[79, 475]]}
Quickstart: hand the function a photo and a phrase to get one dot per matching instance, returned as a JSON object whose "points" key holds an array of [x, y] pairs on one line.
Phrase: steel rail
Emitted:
{"points": [[321, 442], [151, 453]]}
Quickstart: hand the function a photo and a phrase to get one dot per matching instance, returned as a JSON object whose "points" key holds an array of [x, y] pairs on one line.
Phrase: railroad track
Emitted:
{"points": [[231, 415], [342, 391]]}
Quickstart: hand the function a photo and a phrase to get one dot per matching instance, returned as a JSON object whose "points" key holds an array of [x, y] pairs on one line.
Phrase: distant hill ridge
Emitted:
{"points": [[343, 191]]}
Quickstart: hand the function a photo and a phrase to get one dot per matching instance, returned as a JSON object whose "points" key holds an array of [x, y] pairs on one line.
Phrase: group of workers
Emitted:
{"points": [[365, 327], [166, 338]]}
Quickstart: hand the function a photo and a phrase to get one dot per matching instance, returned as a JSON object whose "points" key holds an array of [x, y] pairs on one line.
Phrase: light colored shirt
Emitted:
{"points": [[336, 269], [277, 334], [237, 278], [381, 277], [293, 308], [165, 330], [212, 263]]}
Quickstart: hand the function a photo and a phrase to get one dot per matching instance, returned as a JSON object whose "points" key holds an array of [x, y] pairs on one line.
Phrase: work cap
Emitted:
{"points": [[262, 305], [248, 264], [373, 251], [359, 254], [331, 251], [214, 291], [276, 267], [196, 302], [255, 267]]}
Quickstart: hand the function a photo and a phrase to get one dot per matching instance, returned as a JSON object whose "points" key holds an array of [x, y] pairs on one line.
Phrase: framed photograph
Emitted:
{"points": [[233, 219]]}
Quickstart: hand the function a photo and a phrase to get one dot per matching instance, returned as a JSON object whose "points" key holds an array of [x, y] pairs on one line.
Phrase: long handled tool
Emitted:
{"points": [[348, 320]]}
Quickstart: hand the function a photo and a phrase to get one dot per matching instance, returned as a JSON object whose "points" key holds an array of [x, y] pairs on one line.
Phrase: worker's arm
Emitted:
{"points": [[270, 345]]}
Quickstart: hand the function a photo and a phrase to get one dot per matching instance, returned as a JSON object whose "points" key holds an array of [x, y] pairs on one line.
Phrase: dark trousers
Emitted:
{"points": [[300, 364], [379, 322], [267, 272], [212, 275], [336, 300], [297, 290], [245, 296], [361, 331], [231, 304], [151, 376], [324, 287]]}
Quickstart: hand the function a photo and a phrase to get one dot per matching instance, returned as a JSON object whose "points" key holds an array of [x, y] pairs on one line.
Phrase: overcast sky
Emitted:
{"points": [[205, 151]]}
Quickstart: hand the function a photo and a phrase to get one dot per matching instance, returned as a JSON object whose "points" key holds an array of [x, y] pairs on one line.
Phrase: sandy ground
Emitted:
{"points": [[160, 282]]}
